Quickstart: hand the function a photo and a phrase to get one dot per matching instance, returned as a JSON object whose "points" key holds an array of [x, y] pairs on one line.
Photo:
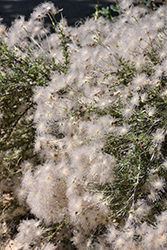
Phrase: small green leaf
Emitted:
{"points": [[114, 8]]}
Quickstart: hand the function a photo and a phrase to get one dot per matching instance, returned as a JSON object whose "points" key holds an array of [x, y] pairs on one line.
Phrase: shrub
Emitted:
{"points": [[100, 128]]}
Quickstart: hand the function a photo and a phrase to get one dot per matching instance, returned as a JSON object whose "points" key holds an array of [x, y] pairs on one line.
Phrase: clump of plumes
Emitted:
{"points": [[151, 237], [30, 232], [100, 128], [45, 193]]}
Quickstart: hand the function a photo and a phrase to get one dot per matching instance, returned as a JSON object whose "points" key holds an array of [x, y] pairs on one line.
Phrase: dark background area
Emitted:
{"points": [[72, 10]]}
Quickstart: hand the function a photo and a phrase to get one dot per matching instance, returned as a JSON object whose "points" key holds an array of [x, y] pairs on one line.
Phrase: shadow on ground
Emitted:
{"points": [[72, 10]]}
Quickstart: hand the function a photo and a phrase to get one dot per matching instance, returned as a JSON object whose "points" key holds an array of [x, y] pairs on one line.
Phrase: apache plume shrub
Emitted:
{"points": [[100, 128]]}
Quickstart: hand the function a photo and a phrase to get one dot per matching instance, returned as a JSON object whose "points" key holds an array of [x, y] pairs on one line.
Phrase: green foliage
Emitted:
{"points": [[18, 76], [105, 11], [135, 154]]}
